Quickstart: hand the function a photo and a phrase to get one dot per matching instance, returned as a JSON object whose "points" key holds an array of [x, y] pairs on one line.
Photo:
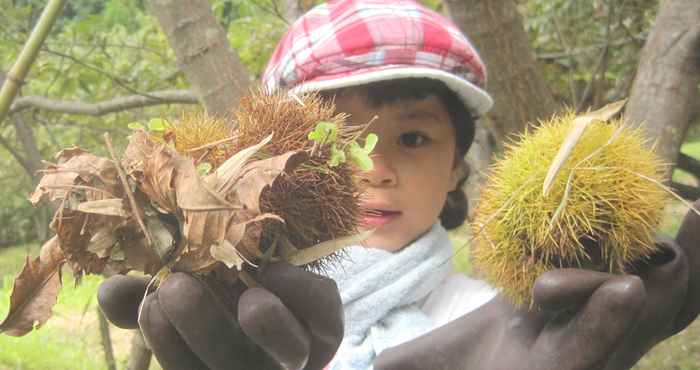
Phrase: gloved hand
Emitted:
{"points": [[294, 321], [583, 319]]}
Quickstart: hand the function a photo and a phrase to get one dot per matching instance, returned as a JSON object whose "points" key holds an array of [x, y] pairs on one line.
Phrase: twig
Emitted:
{"points": [[84, 187], [107, 106], [127, 190], [118, 80], [554, 55], [247, 279], [565, 45], [602, 62], [16, 154], [272, 10], [213, 144]]}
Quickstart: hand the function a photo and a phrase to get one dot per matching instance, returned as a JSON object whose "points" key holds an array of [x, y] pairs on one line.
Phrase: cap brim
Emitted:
{"points": [[473, 96]]}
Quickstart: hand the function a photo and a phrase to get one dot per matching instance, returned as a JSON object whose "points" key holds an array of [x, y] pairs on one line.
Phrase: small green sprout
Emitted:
{"points": [[204, 168], [360, 155], [136, 126], [324, 132], [154, 125], [337, 156], [327, 133], [157, 124]]}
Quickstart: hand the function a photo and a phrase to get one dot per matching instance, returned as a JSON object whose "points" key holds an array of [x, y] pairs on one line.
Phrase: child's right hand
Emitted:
{"points": [[294, 321]]}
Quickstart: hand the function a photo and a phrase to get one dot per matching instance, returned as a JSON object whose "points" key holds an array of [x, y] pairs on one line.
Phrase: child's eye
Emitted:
{"points": [[413, 139]]}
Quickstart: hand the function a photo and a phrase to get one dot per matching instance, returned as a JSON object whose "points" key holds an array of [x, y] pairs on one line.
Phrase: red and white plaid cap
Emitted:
{"points": [[347, 43]]}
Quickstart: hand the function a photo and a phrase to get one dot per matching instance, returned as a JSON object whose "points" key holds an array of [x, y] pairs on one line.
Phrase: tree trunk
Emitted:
{"points": [[32, 156], [519, 90], [520, 93], [292, 11], [32, 160], [203, 51], [666, 84]]}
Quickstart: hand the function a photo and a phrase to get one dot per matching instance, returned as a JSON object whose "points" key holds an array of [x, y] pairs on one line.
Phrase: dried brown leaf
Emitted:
{"points": [[107, 207], [76, 229], [77, 170], [225, 252], [229, 171], [153, 166], [258, 176], [35, 291], [206, 213], [140, 257], [101, 242]]}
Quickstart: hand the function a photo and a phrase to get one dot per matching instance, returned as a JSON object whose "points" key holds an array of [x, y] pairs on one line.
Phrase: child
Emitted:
{"points": [[403, 308]]}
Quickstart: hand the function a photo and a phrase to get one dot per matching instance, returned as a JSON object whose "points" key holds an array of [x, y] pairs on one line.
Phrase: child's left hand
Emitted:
{"points": [[583, 319]]}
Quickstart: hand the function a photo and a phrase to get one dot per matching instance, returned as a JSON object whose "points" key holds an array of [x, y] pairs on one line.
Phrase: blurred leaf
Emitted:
{"points": [[136, 126], [35, 291], [157, 125], [360, 155]]}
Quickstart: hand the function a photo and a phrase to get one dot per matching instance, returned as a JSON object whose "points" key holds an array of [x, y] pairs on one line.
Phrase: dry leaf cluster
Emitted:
{"points": [[267, 193]]}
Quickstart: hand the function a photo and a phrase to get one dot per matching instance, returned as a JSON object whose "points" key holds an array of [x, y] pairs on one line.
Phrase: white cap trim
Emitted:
{"points": [[473, 96]]}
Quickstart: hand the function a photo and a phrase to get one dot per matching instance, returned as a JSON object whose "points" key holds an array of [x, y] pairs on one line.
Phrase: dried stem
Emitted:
{"points": [[247, 279], [84, 187], [213, 144], [127, 190]]}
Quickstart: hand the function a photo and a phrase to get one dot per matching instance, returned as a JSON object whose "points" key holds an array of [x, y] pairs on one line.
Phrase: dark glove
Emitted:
{"points": [[294, 321], [582, 319]]}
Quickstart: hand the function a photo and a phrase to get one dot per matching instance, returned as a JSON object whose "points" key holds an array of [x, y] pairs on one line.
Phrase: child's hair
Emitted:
{"points": [[455, 210]]}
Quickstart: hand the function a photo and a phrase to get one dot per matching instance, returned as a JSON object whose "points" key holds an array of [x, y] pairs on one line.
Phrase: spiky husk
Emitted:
{"points": [[317, 202], [195, 130], [607, 220]]}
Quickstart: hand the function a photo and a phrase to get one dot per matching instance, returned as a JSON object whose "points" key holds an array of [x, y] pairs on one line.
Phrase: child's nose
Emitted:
{"points": [[381, 175]]}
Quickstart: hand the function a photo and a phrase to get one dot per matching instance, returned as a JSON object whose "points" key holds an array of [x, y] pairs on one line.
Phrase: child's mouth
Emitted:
{"points": [[379, 217]]}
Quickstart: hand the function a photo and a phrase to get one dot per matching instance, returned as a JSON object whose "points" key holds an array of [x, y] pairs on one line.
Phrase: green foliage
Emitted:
{"points": [[253, 27], [360, 154], [337, 156], [204, 168], [16, 215], [157, 125], [98, 50], [570, 39], [326, 133]]}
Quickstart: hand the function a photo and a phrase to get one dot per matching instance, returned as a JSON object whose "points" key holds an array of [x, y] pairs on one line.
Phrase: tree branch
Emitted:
{"points": [[689, 164], [601, 67], [554, 55], [107, 106], [118, 80], [204, 53], [686, 191]]}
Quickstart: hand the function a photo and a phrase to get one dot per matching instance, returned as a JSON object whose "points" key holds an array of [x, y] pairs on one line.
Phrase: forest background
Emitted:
{"points": [[108, 63]]}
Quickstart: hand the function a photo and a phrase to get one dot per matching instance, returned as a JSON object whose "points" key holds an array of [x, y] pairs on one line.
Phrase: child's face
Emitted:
{"points": [[413, 166]]}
